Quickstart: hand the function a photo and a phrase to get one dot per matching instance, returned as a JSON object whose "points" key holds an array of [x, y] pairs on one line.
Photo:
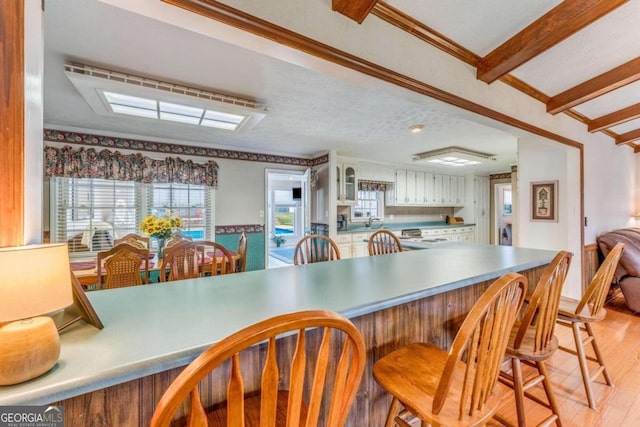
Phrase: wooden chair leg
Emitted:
{"points": [[518, 387], [598, 355], [394, 410], [582, 361], [546, 383]]}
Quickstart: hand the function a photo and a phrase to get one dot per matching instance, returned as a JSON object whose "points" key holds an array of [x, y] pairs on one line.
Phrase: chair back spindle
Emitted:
{"points": [[315, 248], [384, 242], [273, 406]]}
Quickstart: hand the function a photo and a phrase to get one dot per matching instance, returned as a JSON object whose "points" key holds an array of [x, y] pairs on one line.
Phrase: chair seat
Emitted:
{"points": [[526, 350], [218, 417], [412, 374], [567, 312]]}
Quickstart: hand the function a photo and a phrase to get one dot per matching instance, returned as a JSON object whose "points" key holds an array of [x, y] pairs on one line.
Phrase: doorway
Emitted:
{"points": [[503, 214], [288, 215]]}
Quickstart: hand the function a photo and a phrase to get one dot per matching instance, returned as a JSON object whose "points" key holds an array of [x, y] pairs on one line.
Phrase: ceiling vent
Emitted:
{"points": [[115, 93], [453, 156]]}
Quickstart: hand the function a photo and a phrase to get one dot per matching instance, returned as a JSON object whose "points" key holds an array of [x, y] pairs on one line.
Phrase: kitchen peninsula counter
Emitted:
{"points": [[154, 329], [398, 226]]}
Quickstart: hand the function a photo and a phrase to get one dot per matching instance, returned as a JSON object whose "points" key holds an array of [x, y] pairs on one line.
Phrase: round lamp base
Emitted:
{"points": [[28, 349]]}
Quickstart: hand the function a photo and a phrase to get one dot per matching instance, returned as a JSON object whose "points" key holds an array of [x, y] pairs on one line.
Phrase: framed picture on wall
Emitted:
{"points": [[544, 201]]}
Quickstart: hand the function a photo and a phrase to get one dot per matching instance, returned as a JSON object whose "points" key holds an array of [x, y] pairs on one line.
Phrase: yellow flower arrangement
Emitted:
{"points": [[162, 227]]}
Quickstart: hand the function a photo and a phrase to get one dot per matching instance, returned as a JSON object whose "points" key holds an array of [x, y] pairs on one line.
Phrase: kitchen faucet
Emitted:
{"points": [[371, 219]]}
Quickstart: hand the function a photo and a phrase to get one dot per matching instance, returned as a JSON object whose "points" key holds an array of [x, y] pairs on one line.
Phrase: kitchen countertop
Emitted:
{"points": [[153, 328], [361, 228]]}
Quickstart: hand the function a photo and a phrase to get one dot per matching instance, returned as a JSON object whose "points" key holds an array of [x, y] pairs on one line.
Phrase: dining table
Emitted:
{"points": [[86, 271]]}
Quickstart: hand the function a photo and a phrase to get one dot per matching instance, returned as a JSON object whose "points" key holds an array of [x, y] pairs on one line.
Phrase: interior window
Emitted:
{"points": [[89, 214], [369, 205], [189, 202]]}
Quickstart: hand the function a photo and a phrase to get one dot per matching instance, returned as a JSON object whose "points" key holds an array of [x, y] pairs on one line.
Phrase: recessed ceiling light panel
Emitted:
{"points": [[454, 157], [110, 92]]}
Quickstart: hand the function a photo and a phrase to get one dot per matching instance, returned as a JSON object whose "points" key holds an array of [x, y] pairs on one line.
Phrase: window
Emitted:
{"points": [[189, 202], [369, 205], [89, 214]]}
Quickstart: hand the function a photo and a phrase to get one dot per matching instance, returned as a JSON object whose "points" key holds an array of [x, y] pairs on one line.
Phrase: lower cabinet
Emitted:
{"points": [[452, 234], [352, 245]]}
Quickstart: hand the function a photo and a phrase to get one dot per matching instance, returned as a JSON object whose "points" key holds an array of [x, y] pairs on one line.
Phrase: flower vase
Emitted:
{"points": [[162, 241]]}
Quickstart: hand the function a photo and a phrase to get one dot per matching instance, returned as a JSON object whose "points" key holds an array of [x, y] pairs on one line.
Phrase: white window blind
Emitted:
{"points": [[90, 213]]}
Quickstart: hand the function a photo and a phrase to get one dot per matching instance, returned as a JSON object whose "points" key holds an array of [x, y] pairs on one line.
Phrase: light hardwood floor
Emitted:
{"points": [[618, 406]]}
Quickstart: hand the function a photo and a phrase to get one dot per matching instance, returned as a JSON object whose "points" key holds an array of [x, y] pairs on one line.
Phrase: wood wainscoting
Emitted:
{"points": [[433, 319]]}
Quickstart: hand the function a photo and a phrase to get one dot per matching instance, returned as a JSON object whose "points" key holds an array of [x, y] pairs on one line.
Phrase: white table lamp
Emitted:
{"points": [[34, 280]]}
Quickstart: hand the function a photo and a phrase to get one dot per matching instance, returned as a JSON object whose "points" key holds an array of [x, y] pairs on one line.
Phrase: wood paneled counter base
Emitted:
{"points": [[116, 376]]}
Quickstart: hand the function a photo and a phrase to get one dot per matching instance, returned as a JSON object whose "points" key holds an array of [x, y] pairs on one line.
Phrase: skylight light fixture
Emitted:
{"points": [[416, 128], [454, 157], [111, 92]]}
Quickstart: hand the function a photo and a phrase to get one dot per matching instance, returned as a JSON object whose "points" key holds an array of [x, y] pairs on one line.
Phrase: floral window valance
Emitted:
{"points": [[365, 185], [89, 163]]}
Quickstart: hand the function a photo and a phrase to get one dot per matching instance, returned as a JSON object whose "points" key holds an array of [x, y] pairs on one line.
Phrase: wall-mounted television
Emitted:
{"points": [[296, 193]]}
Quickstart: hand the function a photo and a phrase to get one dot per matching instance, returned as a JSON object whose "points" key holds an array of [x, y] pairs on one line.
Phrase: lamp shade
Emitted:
{"points": [[34, 280]]}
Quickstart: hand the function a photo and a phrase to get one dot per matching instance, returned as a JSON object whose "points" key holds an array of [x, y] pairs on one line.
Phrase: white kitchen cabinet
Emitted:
{"points": [[347, 183], [429, 196], [411, 187], [419, 193], [374, 172], [461, 193], [352, 245], [359, 247], [384, 173], [367, 171], [401, 187], [343, 242], [453, 190]]}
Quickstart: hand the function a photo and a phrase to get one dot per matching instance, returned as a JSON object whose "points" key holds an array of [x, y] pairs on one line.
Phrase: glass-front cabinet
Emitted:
{"points": [[347, 184]]}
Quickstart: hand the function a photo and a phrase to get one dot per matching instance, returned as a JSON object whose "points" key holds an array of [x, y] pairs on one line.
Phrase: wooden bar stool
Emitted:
{"points": [[532, 341], [310, 373], [315, 248], [455, 388], [580, 314], [384, 242]]}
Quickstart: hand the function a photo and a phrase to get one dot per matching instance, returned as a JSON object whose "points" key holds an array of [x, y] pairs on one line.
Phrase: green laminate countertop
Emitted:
{"points": [[153, 328]]}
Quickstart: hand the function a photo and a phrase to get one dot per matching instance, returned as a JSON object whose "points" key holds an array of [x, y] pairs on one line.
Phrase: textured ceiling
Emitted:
{"points": [[309, 113]]}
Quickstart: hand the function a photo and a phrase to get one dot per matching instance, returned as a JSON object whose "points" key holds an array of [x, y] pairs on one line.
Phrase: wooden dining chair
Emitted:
{"points": [[214, 259], [180, 261], [455, 388], [329, 375], [533, 342], [241, 265], [384, 242], [315, 248], [580, 314], [134, 240], [125, 265]]}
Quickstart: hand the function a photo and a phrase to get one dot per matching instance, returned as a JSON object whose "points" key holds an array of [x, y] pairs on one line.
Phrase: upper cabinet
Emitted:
{"points": [[347, 184], [376, 172], [416, 188]]}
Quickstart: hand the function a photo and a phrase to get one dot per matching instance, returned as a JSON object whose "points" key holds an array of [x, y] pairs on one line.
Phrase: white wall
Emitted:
{"points": [[241, 191], [541, 160]]}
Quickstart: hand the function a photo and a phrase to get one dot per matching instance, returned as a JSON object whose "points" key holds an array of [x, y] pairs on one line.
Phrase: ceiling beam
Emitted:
{"points": [[416, 28], [597, 86], [354, 9], [554, 26], [624, 138], [615, 118]]}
